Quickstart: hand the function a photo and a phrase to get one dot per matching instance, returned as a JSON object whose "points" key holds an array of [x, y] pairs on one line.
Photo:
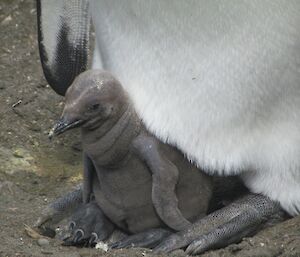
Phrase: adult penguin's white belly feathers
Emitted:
{"points": [[221, 80]]}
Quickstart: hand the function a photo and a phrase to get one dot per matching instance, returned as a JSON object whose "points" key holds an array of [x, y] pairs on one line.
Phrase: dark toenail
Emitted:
{"points": [[78, 235], [93, 239], [95, 236], [72, 225]]}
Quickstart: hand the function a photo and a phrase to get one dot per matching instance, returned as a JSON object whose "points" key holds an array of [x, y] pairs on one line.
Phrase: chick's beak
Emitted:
{"points": [[63, 125]]}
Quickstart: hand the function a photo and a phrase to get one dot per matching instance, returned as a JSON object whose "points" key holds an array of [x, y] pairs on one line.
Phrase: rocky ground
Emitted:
{"points": [[34, 171]]}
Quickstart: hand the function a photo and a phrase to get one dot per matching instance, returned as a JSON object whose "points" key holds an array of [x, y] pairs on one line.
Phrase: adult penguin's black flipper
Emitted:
{"points": [[63, 36]]}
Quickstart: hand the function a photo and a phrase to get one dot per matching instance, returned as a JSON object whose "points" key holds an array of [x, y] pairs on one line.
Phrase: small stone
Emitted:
{"points": [[102, 246], [19, 153], [7, 20], [46, 252], [43, 242]]}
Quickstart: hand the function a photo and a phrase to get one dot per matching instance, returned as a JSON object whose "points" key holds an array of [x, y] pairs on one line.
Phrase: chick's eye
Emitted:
{"points": [[94, 107]]}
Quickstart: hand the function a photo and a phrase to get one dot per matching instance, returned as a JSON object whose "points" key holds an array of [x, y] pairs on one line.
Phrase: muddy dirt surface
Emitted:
{"points": [[34, 171]]}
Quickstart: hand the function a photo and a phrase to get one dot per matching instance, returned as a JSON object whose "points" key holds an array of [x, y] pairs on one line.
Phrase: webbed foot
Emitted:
{"points": [[147, 239], [228, 225], [58, 210], [88, 226]]}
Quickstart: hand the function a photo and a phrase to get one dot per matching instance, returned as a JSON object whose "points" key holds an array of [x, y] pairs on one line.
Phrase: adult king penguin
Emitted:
{"points": [[219, 80]]}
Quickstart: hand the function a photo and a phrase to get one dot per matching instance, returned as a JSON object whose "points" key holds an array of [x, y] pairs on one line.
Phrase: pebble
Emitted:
{"points": [[102, 246], [7, 20], [18, 153], [46, 252], [43, 242]]}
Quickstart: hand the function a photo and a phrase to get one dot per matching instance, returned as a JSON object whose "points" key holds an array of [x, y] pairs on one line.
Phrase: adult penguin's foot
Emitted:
{"points": [[147, 239], [225, 226]]}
